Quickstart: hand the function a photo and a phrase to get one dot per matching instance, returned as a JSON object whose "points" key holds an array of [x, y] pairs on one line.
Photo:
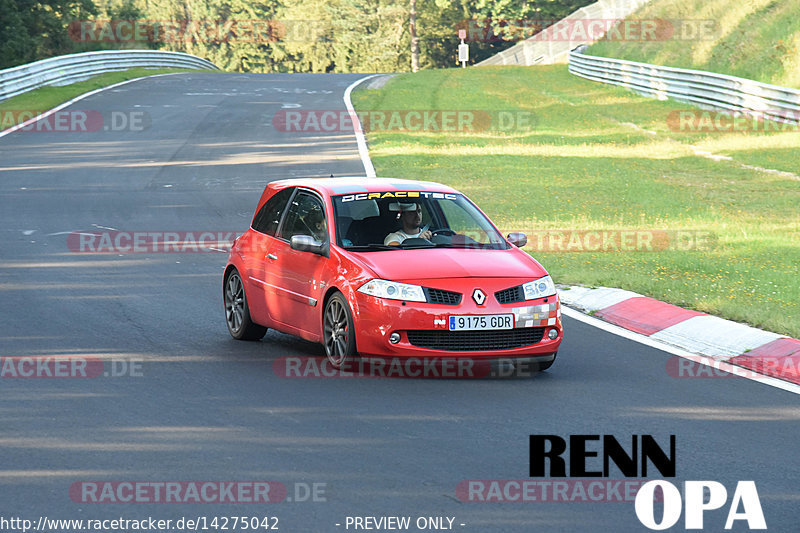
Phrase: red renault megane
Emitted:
{"points": [[389, 268]]}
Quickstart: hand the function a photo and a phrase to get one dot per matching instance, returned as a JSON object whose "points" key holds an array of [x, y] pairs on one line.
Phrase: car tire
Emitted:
{"points": [[338, 333], [237, 312]]}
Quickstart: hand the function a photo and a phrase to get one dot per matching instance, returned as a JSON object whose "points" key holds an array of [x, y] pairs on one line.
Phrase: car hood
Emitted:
{"points": [[441, 263]]}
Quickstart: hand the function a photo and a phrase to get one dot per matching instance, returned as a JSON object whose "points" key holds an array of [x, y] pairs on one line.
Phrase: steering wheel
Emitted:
{"points": [[443, 231]]}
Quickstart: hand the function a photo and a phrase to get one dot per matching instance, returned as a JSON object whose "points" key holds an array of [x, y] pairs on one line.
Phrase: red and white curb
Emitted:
{"points": [[718, 341], [726, 346]]}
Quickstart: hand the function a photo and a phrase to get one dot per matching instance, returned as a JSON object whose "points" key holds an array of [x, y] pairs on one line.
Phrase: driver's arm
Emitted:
{"points": [[393, 239]]}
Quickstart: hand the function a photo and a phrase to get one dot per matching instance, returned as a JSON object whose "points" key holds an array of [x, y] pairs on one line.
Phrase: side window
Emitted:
{"points": [[269, 216], [305, 217]]}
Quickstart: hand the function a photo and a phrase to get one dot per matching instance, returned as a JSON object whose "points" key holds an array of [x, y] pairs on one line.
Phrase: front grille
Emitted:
{"points": [[439, 296], [464, 341], [508, 296]]}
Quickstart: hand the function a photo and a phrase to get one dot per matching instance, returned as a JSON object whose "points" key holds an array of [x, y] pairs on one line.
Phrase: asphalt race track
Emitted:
{"points": [[192, 404]]}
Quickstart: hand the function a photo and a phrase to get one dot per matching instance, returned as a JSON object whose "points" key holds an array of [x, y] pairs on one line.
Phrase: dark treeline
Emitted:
{"points": [[275, 36]]}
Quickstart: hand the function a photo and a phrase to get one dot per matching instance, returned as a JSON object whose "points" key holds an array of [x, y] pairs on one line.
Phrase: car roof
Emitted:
{"points": [[360, 184]]}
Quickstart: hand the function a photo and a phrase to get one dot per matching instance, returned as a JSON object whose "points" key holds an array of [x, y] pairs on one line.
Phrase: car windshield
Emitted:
{"points": [[393, 220]]}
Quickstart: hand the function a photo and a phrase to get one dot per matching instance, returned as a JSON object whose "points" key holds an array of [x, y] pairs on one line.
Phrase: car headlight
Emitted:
{"points": [[539, 288], [393, 290]]}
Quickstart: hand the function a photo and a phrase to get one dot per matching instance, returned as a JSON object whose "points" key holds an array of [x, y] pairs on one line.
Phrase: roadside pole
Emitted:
{"points": [[463, 48]]}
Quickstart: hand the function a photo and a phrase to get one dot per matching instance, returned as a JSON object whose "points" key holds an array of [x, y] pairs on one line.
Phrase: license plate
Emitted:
{"points": [[481, 322]]}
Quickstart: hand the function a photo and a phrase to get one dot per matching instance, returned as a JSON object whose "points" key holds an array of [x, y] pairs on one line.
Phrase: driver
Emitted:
{"points": [[315, 222], [410, 219]]}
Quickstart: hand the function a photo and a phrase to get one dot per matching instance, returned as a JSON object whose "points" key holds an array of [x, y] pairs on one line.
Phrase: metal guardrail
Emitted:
{"points": [[63, 70], [698, 87], [548, 46]]}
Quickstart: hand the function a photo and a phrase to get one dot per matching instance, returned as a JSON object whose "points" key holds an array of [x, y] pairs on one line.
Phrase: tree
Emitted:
{"points": [[283, 35], [31, 30], [412, 25]]}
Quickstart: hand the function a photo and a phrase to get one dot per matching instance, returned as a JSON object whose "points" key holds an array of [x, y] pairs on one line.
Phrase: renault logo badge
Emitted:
{"points": [[479, 296]]}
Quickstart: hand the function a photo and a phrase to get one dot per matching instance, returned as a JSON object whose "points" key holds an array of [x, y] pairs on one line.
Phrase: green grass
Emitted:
{"points": [[588, 163], [46, 98], [757, 39]]}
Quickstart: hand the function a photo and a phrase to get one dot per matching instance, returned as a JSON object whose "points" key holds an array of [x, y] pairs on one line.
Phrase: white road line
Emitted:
{"points": [[701, 359], [363, 151], [58, 108]]}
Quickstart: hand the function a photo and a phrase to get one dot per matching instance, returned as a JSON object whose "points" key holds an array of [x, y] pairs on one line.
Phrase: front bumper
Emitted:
{"points": [[424, 333]]}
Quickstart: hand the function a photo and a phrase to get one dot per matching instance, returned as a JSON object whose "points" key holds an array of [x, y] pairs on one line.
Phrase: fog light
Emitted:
{"points": [[394, 338], [553, 333]]}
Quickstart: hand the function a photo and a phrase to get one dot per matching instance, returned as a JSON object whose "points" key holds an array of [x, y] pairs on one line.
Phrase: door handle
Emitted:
{"points": [[272, 256]]}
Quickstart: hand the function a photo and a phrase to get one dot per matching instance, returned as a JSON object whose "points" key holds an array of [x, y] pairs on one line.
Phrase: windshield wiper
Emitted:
{"points": [[475, 245], [367, 247]]}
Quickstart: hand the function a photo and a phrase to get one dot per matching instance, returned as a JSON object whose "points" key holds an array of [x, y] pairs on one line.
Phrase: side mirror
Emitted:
{"points": [[307, 243], [517, 239]]}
